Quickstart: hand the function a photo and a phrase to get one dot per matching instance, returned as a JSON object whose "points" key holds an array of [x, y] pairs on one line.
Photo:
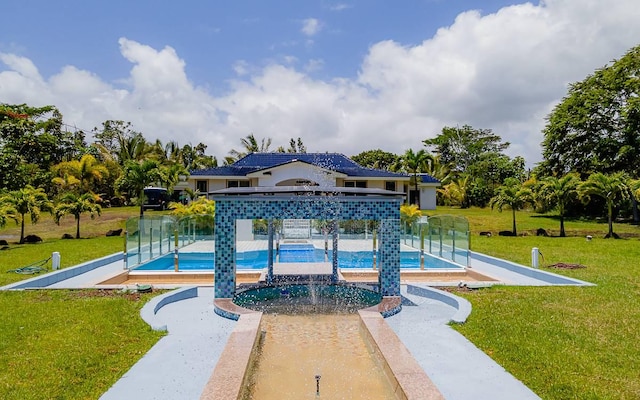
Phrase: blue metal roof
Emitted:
{"points": [[331, 161], [426, 178]]}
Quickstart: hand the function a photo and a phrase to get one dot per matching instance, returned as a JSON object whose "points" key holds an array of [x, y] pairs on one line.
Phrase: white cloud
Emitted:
{"points": [[503, 71], [311, 26]]}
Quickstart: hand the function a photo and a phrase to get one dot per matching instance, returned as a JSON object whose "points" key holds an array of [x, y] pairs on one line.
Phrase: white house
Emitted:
{"points": [[308, 169]]}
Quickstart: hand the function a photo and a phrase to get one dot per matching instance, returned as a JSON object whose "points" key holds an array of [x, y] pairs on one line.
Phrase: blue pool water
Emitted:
{"points": [[257, 259]]}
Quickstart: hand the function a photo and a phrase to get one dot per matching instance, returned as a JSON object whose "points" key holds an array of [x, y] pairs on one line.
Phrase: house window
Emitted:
{"points": [[390, 185], [201, 186], [356, 184], [234, 184]]}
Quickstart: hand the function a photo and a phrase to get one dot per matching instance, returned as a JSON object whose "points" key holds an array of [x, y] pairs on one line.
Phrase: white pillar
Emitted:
{"points": [[55, 260], [534, 257]]}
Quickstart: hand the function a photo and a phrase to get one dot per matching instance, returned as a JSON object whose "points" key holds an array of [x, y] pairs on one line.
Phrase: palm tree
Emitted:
{"points": [[28, 200], [415, 163], [558, 192], [76, 205], [138, 175], [457, 191], [87, 171], [612, 188], [514, 195], [132, 148], [7, 212], [250, 145]]}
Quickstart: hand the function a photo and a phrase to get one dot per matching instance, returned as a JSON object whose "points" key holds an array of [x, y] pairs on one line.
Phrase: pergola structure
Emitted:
{"points": [[307, 202]]}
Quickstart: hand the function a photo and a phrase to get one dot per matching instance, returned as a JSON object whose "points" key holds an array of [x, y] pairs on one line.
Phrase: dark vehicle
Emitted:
{"points": [[156, 198]]}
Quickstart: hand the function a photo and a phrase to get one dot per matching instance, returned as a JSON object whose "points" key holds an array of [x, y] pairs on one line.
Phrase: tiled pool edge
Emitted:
{"points": [[54, 277]]}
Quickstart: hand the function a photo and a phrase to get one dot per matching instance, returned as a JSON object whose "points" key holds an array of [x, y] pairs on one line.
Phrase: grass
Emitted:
{"points": [[562, 342], [58, 344]]}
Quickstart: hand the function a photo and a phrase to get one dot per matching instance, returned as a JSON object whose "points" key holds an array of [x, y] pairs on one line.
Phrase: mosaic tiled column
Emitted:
{"points": [[334, 262], [225, 251], [389, 259], [270, 251]]}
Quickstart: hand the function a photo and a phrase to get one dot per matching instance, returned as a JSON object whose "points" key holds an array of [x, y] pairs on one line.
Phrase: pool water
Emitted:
{"points": [[257, 259]]}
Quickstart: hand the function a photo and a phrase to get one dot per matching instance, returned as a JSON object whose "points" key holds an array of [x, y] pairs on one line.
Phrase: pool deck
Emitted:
{"points": [[179, 365]]}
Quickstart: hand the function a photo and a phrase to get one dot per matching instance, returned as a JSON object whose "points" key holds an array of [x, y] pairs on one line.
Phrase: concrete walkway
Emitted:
{"points": [[180, 364], [459, 369]]}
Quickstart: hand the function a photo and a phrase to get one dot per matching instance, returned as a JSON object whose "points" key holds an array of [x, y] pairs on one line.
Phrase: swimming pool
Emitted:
{"points": [[257, 259]]}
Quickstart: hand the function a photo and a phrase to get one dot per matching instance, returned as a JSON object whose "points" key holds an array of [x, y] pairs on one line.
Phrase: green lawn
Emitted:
{"points": [[562, 342]]}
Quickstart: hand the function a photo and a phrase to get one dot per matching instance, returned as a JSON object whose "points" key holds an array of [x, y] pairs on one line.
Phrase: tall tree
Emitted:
{"points": [[28, 200], [31, 141], [377, 159], [77, 205], [462, 147], [512, 194], [558, 193], [610, 187], [596, 126]]}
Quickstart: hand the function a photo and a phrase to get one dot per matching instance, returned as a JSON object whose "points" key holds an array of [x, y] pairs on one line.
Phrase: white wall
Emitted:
{"points": [[428, 198], [297, 171]]}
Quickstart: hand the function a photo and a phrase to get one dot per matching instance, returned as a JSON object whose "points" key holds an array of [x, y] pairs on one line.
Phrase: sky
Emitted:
{"points": [[344, 76]]}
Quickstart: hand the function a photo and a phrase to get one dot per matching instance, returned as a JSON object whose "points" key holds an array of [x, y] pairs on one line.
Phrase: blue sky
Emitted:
{"points": [[344, 76]]}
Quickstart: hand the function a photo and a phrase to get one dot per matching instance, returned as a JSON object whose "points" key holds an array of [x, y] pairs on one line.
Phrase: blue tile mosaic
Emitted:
{"points": [[228, 209]]}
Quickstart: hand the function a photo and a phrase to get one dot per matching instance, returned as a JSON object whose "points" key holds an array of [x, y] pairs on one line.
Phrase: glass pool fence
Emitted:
{"points": [[153, 236], [444, 236]]}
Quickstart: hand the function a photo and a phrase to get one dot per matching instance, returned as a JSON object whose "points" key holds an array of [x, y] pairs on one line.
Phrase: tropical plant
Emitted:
{"points": [[514, 195], [409, 213], [414, 163], [27, 200], [199, 206], [612, 188], [7, 212], [457, 191], [71, 203], [557, 193], [294, 147], [138, 175], [87, 171], [250, 144]]}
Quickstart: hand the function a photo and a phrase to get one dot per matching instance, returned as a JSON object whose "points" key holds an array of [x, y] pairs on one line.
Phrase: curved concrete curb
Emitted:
{"points": [[149, 310], [462, 306]]}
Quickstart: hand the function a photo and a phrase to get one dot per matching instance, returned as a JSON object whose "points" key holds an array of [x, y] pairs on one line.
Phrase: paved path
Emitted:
{"points": [[459, 369], [180, 364]]}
